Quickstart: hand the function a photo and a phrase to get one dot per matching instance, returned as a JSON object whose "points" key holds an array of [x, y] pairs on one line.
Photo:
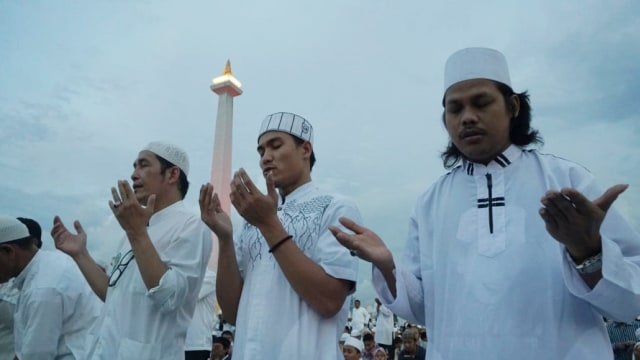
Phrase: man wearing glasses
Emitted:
{"points": [[151, 289]]}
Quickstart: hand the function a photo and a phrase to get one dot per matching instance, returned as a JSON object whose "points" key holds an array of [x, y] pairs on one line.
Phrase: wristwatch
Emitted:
{"points": [[590, 265]]}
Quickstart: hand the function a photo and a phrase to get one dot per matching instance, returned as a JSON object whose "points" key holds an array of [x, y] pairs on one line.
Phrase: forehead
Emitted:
{"points": [[273, 135], [470, 88], [146, 155]]}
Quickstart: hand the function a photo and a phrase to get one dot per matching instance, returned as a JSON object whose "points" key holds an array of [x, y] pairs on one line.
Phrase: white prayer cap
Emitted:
{"points": [[172, 153], [12, 229], [476, 63], [290, 123], [344, 337], [355, 343]]}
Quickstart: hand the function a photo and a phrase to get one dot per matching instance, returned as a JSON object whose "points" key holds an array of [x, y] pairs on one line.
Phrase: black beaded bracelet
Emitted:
{"points": [[279, 243]]}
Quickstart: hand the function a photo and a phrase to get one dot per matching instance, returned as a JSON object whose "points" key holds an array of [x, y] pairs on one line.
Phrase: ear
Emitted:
{"points": [[307, 149], [515, 105], [174, 175]]}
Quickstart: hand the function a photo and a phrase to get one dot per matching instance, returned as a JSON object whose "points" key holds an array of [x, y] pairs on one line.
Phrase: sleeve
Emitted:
{"points": [[617, 294], [334, 258], [188, 256], [41, 323], [409, 302]]}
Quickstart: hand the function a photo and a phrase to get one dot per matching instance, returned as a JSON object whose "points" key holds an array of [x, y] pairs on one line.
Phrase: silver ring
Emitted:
{"points": [[115, 205]]}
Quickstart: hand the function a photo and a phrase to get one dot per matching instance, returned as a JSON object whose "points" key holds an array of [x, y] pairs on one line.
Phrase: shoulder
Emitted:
{"points": [[330, 198], [553, 161], [440, 186]]}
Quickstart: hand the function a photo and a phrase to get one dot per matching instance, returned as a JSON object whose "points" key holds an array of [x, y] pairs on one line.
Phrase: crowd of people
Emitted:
{"points": [[512, 254]]}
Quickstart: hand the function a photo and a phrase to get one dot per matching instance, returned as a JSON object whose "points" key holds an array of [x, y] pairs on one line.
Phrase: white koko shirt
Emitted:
{"points": [[55, 309], [273, 322], [488, 281], [152, 324]]}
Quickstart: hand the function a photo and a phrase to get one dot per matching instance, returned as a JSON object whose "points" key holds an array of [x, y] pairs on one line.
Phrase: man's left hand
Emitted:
{"points": [[255, 207], [575, 221]]}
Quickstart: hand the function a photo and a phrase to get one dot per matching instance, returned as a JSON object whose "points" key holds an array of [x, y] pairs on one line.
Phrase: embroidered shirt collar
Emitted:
{"points": [[511, 154], [298, 192]]}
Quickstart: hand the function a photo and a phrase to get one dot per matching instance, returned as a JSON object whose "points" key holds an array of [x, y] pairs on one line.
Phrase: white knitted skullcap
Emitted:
{"points": [[476, 63], [12, 229], [290, 123], [353, 342], [344, 337], [172, 153]]}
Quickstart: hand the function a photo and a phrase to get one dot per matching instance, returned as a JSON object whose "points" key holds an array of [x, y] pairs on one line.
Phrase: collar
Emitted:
{"points": [[165, 213], [300, 191], [510, 155], [26, 272]]}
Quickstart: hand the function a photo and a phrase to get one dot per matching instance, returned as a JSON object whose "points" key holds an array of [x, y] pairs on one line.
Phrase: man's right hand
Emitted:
{"points": [[71, 244], [212, 215]]}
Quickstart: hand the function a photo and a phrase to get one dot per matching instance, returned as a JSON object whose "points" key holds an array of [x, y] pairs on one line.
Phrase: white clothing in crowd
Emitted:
{"points": [[54, 310], [141, 323], [273, 321], [359, 319], [478, 274], [384, 326], [204, 319], [8, 299]]}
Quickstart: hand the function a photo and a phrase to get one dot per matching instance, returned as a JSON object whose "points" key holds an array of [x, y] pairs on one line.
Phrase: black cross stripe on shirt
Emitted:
{"points": [[490, 201]]}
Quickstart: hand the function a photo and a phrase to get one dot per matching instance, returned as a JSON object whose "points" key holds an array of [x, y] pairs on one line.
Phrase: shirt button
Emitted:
{"points": [[279, 208]]}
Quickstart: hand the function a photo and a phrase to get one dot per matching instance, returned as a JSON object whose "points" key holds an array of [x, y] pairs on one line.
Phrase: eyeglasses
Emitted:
{"points": [[119, 269]]}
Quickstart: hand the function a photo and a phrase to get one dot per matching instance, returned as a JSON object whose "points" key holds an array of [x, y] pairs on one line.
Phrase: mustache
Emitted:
{"points": [[466, 132]]}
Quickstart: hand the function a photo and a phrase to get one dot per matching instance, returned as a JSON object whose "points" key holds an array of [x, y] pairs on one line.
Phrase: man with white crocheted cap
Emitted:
{"points": [[509, 255], [54, 306], [151, 288], [283, 279]]}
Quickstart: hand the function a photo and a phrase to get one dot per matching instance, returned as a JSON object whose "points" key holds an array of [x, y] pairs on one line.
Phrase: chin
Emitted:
{"points": [[142, 199]]}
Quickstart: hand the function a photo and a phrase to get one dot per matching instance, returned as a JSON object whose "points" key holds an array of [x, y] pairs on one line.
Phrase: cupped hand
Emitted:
{"points": [[212, 214]]}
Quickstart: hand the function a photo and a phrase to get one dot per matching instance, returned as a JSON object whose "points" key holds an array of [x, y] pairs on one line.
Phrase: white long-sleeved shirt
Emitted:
{"points": [[481, 271], [359, 319], [384, 326], [55, 309], [138, 323]]}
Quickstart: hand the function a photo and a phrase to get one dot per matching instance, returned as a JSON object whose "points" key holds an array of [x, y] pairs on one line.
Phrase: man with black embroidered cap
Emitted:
{"points": [[283, 279], [154, 280], [54, 306], [509, 255]]}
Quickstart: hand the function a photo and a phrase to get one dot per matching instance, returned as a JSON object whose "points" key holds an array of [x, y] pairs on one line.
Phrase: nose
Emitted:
{"points": [[134, 175], [266, 158], [468, 116]]}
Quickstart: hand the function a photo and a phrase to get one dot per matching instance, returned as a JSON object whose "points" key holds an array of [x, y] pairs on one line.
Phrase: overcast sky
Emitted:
{"points": [[84, 85]]}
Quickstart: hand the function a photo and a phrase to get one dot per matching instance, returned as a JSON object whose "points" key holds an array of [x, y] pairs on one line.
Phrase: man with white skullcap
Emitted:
{"points": [[54, 305], [509, 255], [151, 288], [283, 279]]}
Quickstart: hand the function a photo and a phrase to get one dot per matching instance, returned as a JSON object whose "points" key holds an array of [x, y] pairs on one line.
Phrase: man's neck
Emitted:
{"points": [[286, 190], [166, 201]]}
